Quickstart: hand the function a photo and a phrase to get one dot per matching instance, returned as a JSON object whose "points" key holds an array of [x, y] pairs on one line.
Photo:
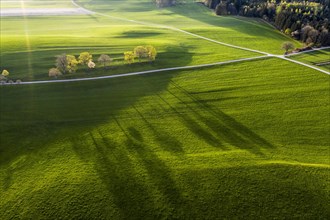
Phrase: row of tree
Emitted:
{"points": [[307, 21], [4, 78], [141, 52], [69, 63]]}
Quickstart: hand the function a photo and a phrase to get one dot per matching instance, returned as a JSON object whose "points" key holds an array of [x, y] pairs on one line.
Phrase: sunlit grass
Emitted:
{"points": [[194, 17], [97, 35], [246, 140]]}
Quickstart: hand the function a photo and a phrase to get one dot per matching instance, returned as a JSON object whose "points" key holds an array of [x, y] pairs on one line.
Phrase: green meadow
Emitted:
{"points": [[196, 18], [37, 42], [245, 140]]}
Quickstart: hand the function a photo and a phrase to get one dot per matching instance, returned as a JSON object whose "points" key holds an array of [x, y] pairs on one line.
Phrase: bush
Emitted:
{"points": [[287, 31]]}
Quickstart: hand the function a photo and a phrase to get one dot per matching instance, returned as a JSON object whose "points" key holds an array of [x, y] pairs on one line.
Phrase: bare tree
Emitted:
{"points": [[54, 72], [61, 63], [104, 60], [287, 46]]}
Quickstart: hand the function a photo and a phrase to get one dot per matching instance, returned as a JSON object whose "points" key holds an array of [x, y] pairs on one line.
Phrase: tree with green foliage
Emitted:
{"points": [[140, 52], [129, 57], [85, 57], [287, 31], [72, 63], [104, 60], [287, 46], [151, 52], [5, 73]]}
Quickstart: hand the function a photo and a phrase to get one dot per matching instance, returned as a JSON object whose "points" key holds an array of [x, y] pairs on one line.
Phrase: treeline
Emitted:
{"points": [[66, 64], [307, 21]]}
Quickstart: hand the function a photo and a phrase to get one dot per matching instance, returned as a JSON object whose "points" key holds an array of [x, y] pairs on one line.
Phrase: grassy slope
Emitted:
{"points": [[45, 38], [314, 58], [223, 142], [196, 18]]}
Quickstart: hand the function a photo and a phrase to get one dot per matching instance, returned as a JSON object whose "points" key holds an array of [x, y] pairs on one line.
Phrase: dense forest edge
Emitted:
{"points": [[306, 21]]}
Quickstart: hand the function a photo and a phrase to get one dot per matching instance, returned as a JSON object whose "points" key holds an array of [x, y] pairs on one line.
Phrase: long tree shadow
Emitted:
{"points": [[131, 192], [212, 126], [226, 128], [166, 141], [115, 170], [46, 113], [158, 172]]}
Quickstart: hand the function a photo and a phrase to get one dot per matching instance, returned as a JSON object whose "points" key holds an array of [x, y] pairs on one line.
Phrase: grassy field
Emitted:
{"points": [[320, 59], [237, 143], [242, 141], [196, 18], [33, 42], [37, 41]]}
